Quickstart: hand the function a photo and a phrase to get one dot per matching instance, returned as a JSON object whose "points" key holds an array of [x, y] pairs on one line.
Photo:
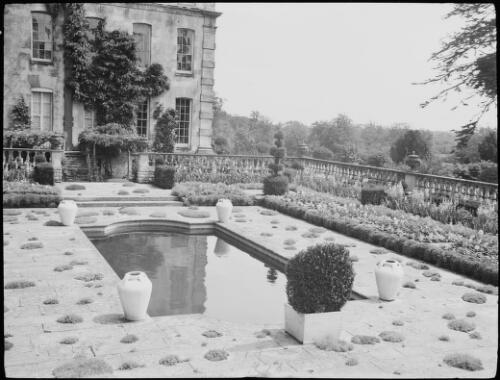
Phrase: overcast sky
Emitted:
{"points": [[310, 62]]}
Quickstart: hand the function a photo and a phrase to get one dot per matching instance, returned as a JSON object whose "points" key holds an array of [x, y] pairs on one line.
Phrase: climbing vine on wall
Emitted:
{"points": [[20, 115]]}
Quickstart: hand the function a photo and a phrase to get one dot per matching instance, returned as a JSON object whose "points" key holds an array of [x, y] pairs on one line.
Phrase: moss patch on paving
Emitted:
{"points": [[70, 318], [129, 338], [7, 345], [194, 213], [364, 339], [51, 301], [69, 340], [130, 364], [317, 230], [463, 361], [275, 221], [266, 234], [84, 301], [444, 338], [12, 212], [351, 362], [309, 235], [409, 285], [87, 213], [123, 192], [378, 251], [461, 325], [262, 333], [470, 314], [5, 243], [418, 266], [268, 212], [158, 214], [62, 268], [290, 228], [211, 334], [430, 273], [20, 284], [78, 262], [289, 242], [33, 238], [110, 319], [171, 360], [475, 335], [458, 283], [391, 336], [87, 277], [32, 245], [7, 219], [74, 187], [398, 322], [128, 184], [330, 344], [216, 355], [329, 238], [82, 368], [448, 316], [140, 191], [108, 212], [85, 220], [68, 253], [53, 223], [474, 298], [31, 217], [128, 211]]}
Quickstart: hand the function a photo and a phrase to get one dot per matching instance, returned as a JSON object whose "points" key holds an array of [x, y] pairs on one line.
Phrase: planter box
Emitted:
{"points": [[307, 328]]}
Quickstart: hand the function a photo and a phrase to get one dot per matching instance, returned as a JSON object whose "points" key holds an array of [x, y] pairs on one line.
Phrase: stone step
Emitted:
{"points": [[123, 198], [143, 203]]}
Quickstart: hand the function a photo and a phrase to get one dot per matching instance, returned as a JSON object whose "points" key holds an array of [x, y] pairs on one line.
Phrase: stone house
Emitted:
{"points": [[179, 36]]}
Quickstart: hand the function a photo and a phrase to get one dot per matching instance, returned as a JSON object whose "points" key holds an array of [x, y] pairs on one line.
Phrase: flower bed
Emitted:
{"points": [[17, 194], [207, 194], [455, 247]]}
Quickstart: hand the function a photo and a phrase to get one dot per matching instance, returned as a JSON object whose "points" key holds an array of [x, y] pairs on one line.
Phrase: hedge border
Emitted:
{"points": [[422, 251]]}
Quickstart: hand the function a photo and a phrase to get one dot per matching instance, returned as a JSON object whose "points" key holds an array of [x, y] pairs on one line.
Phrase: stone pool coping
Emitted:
{"points": [[277, 354]]}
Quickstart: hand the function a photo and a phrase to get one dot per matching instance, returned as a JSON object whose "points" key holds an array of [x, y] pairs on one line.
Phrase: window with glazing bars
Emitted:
{"points": [[142, 119], [142, 36], [89, 118], [41, 110], [183, 109], [42, 36], [185, 39]]}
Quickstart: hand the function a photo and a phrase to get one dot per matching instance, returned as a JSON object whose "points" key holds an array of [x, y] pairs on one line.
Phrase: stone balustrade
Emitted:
{"points": [[24, 159]]}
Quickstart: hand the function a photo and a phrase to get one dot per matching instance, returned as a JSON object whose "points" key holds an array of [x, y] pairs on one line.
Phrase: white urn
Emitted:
{"points": [[135, 292], [224, 208], [389, 276], [67, 212]]}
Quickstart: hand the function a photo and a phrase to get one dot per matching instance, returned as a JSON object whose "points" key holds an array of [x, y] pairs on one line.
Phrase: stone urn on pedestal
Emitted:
{"points": [[67, 212], [389, 276], [314, 297], [224, 208], [135, 292]]}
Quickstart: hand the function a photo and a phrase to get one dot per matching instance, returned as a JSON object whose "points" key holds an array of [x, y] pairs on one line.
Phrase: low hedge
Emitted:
{"points": [[16, 194], [479, 269], [207, 194]]}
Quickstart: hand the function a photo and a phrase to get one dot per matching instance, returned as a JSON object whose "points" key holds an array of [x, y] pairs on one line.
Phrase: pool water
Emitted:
{"points": [[199, 274]]}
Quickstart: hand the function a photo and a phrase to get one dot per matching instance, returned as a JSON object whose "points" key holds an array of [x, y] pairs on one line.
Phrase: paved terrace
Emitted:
{"points": [[35, 333]]}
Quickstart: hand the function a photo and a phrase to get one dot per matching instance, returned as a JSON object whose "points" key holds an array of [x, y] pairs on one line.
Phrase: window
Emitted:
{"points": [[142, 118], [41, 110], [142, 36], [93, 23], [89, 118], [42, 36], [183, 109], [185, 49]]}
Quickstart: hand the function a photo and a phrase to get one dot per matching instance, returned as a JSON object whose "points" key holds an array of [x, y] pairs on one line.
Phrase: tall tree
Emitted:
{"points": [[295, 134], [467, 60], [411, 141]]}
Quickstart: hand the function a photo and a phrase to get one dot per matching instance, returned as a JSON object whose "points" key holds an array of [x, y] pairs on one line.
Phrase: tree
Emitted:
{"points": [[467, 60], [220, 145], [488, 147], [164, 137], [336, 135], [411, 141], [296, 134]]}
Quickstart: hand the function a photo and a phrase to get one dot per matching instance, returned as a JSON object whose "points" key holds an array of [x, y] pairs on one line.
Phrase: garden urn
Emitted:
{"points": [[67, 212], [389, 276], [135, 292], [224, 208]]}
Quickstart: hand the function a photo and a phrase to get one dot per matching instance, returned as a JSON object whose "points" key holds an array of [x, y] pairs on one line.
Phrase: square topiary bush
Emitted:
{"points": [[164, 176], [43, 173], [373, 194]]}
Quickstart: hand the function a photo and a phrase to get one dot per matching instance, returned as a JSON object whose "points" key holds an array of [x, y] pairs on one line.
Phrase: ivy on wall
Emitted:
{"points": [[20, 115]]}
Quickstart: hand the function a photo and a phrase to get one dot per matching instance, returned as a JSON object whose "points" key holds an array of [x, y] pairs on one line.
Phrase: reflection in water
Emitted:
{"points": [[199, 274]]}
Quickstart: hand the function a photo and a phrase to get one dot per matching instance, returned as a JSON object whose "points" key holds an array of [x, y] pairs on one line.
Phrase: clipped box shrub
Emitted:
{"points": [[373, 194], [319, 278], [275, 185], [164, 176], [43, 173]]}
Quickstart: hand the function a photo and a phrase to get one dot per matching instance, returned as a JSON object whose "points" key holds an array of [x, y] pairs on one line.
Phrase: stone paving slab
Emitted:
{"points": [[36, 333]]}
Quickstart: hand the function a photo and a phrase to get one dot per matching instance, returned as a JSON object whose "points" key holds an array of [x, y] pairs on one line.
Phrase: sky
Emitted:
{"points": [[310, 62]]}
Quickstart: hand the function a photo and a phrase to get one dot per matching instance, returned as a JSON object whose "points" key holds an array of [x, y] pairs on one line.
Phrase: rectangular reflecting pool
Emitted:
{"points": [[199, 274]]}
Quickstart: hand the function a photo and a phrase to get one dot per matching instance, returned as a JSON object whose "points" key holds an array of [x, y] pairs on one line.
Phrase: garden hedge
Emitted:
{"points": [[16, 195], [481, 270], [207, 194]]}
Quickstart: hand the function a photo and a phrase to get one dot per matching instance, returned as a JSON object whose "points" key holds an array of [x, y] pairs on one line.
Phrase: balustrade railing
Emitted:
{"points": [[18, 163], [254, 169]]}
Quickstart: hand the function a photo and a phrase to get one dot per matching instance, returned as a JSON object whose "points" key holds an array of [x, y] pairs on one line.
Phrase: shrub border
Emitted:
{"points": [[422, 251]]}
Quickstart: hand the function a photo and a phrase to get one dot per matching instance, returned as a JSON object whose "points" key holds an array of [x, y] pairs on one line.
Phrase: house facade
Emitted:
{"points": [[179, 36]]}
